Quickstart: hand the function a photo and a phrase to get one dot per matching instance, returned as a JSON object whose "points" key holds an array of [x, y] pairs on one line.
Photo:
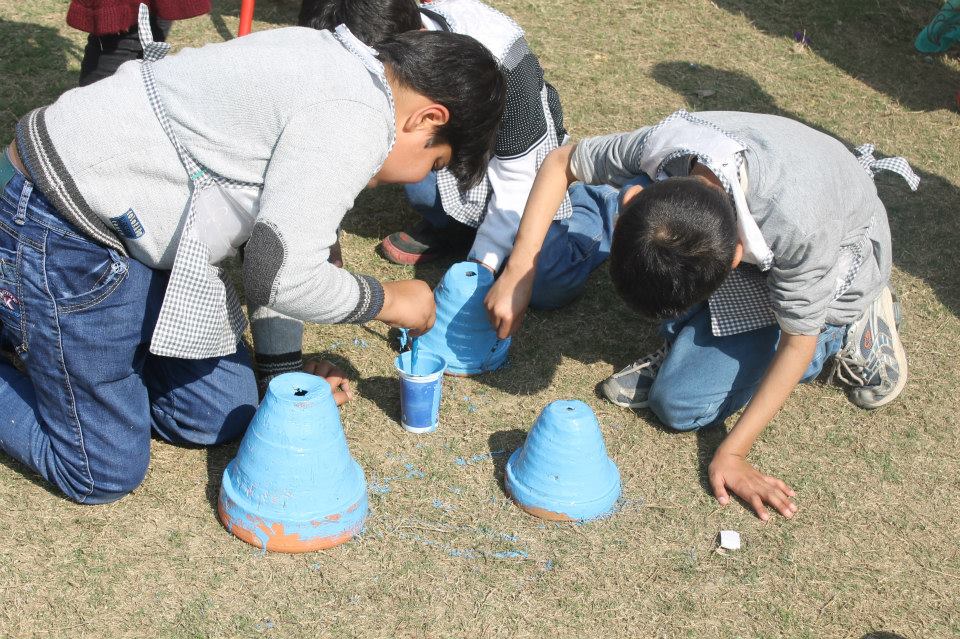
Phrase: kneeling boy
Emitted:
{"points": [[120, 198], [764, 248]]}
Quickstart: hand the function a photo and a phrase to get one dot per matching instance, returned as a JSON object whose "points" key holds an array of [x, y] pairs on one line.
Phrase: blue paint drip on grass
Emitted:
{"points": [[480, 457]]}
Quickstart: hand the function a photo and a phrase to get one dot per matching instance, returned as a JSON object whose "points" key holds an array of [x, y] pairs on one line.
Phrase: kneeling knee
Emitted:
{"points": [[116, 484], [680, 415]]}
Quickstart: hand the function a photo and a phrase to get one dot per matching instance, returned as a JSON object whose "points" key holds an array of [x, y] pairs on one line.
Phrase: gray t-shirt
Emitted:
{"points": [[292, 109], [814, 205]]}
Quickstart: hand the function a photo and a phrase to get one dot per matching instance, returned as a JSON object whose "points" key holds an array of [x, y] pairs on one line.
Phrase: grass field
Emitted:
{"points": [[874, 549]]}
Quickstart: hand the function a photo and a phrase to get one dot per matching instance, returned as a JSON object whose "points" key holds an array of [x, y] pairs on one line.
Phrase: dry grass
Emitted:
{"points": [[874, 547]]}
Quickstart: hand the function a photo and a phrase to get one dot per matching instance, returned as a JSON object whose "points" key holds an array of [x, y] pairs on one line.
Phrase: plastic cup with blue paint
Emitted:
{"points": [[421, 386]]}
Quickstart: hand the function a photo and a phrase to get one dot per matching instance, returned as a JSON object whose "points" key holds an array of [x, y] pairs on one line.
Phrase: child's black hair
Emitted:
{"points": [[370, 20], [673, 246], [461, 74]]}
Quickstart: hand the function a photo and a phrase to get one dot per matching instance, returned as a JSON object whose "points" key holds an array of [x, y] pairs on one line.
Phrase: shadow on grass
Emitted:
{"points": [[502, 444], [870, 41], [35, 67], [925, 226]]}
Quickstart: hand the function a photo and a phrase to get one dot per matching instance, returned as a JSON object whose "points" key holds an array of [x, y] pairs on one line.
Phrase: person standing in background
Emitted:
{"points": [[112, 27]]}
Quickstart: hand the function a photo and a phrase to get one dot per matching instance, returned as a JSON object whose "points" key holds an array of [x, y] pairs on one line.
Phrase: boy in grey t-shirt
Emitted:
{"points": [[114, 217], [763, 247]]}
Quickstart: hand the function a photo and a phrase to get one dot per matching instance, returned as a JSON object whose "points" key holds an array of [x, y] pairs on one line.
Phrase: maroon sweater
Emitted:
{"points": [[101, 17]]}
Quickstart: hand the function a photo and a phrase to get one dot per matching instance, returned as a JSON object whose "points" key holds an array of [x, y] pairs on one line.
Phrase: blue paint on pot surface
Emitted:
{"points": [[293, 486], [562, 468], [462, 334], [421, 387]]}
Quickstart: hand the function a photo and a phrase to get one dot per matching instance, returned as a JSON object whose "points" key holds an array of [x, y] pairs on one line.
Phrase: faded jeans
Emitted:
{"points": [[80, 317], [705, 379], [572, 249]]}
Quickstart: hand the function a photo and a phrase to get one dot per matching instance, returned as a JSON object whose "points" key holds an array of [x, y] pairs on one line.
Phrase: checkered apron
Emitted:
{"points": [[201, 315]]}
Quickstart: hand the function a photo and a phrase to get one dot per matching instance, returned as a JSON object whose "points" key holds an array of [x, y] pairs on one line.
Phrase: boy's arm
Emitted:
{"points": [[321, 161], [730, 468], [507, 300]]}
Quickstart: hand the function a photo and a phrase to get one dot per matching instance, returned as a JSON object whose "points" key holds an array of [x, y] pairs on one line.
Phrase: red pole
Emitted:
{"points": [[246, 17]]}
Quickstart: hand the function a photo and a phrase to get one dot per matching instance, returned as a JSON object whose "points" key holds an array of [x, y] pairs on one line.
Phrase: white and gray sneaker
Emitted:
{"points": [[872, 362], [630, 387]]}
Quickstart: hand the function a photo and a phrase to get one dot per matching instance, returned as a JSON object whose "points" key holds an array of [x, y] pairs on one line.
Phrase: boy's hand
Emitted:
{"points": [[734, 472], [507, 301], [408, 304], [336, 254], [337, 379]]}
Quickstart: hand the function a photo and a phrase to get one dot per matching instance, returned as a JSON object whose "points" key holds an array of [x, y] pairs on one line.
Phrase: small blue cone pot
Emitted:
{"points": [[562, 471], [462, 334], [293, 486]]}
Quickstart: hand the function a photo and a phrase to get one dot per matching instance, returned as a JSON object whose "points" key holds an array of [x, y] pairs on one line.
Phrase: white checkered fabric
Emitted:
{"points": [[898, 165], [201, 315], [742, 303]]}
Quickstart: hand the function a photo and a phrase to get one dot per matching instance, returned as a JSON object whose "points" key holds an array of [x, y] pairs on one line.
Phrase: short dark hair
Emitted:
{"points": [[461, 74], [370, 20], [673, 246]]}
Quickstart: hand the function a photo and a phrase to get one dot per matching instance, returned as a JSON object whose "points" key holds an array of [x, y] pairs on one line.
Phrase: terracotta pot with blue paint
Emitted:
{"points": [[462, 335], [562, 471], [293, 486]]}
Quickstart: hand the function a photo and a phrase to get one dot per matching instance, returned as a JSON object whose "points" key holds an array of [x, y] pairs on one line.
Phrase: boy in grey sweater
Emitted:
{"points": [[762, 245], [120, 200]]}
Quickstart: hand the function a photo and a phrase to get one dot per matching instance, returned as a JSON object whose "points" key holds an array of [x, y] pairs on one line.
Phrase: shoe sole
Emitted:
{"points": [[886, 300], [403, 258]]}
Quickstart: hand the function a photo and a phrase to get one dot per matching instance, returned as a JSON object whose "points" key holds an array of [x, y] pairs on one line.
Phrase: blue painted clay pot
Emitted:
{"points": [[293, 486], [562, 471], [462, 335]]}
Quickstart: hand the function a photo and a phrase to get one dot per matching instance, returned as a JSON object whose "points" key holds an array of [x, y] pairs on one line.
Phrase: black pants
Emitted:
{"points": [[104, 54]]}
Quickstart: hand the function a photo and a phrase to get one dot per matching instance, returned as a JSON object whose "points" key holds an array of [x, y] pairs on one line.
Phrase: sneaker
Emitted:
{"points": [[630, 387], [425, 242], [872, 361]]}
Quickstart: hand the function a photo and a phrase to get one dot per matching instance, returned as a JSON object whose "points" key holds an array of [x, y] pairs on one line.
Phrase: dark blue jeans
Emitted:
{"points": [[572, 249], [80, 317], [705, 379]]}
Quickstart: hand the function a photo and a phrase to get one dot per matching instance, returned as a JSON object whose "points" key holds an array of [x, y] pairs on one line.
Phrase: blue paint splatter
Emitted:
{"points": [[511, 554], [471, 408], [362, 343], [479, 457], [548, 566], [441, 505], [456, 490], [380, 489]]}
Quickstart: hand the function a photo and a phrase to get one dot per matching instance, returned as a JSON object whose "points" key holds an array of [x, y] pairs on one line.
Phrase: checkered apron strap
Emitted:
{"points": [[201, 315], [898, 165], [742, 303]]}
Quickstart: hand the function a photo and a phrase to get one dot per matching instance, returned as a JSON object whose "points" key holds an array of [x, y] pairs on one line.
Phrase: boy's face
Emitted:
{"points": [[413, 156]]}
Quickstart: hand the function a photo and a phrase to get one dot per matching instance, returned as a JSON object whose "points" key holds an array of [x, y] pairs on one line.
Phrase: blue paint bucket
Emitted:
{"points": [[562, 471], [462, 334], [420, 391], [293, 486]]}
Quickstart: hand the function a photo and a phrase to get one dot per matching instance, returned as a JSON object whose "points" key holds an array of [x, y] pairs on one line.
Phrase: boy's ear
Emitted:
{"points": [[433, 116], [737, 254]]}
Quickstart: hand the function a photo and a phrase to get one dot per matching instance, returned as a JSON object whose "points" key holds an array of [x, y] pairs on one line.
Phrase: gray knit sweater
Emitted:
{"points": [[811, 199], [290, 109]]}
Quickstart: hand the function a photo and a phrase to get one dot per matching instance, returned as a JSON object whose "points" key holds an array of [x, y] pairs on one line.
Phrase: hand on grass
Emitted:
{"points": [[408, 304], [506, 302], [734, 472], [337, 379]]}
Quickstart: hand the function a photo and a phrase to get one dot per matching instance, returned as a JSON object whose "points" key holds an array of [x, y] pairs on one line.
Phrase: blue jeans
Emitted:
{"points": [[80, 317], [704, 379], [572, 249]]}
